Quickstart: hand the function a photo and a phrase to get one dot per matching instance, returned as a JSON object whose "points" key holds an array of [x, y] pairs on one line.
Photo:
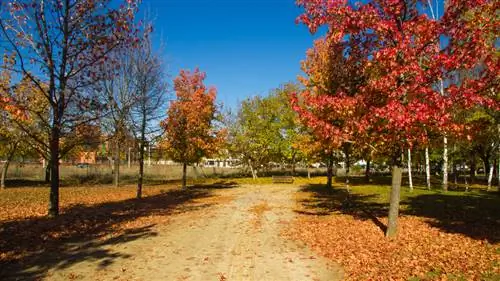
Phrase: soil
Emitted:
{"points": [[236, 239]]}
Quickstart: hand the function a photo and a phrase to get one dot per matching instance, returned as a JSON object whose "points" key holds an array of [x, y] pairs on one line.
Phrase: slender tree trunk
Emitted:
{"points": [[293, 164], [472, 171], [348, 168], [184, 175], [308, 172], [329, 172], [54, 171], [427, 169], [252, 170], [397, 174], [410, 179], [5, 167], [445, 163], [367, 170], [117, 164], [47, 173], [490, 177], [141, 167]]}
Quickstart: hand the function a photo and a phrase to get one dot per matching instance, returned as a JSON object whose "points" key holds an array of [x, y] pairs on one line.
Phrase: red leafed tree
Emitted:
{"points": [[190, 127], [61, 47], [398, 56]]}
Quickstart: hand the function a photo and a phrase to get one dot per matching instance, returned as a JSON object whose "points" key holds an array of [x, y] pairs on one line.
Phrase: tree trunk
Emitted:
{"points": [[308, 172], [427, 169], [117, 164], [254, 173], [184, 175], [472, 171], [490, 177], [445, 163], [54, 171], [5, 167], [141, 169], [410, 179], [293, 164], [47, 173], [329, 172], [367, 170], [392, 225], [348, 168]]}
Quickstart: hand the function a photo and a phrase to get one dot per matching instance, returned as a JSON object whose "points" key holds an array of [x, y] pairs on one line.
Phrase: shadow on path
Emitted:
{"points": [[30, 248]]}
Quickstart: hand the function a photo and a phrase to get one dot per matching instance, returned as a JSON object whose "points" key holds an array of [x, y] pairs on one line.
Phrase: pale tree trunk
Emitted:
{"points": [[410, 179], [184, 175], [392, 225], [254, 173], [308, 172], [141, 156], [427, 168], [445, 163], [5, 167], [490, 177], [347, 169], [117, 164]]}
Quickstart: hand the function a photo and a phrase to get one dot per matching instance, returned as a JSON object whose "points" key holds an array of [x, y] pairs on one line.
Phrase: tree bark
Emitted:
{"points": [[367, 170], [184, 175], [490, 177], [117, 164], [5, 167], [348, 167], [47, 173], [329, 172], [392, 225], [141, 168], [445, 163], [427, 169], [472, 171], [54, 171], [252, 170], [410, 179]]}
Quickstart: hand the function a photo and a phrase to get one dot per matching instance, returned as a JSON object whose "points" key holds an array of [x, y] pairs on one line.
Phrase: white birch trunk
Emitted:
{"points": [[490, 177], [427, 168], [445, 163], [409, 170]]}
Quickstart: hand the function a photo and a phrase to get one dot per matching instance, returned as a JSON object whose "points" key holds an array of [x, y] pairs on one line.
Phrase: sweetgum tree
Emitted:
{"points": [[396, 51], [191, 132]]}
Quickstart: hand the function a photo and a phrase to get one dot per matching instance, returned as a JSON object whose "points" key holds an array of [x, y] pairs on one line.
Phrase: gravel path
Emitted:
{"points": [[237, 240]]}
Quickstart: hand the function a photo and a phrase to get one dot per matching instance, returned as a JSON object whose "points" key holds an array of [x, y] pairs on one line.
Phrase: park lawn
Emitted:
{"points": [[442, 235]]}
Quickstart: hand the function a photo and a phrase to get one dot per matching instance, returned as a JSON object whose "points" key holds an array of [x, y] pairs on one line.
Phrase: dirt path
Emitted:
{"points": [[238, 240]]}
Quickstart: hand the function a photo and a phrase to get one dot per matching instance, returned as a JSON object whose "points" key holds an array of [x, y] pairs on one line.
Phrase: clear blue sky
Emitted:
{"points": [[246, 47]]}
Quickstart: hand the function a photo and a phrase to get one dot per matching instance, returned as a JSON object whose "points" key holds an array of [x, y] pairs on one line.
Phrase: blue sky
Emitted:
{"points": [[246, 47]]}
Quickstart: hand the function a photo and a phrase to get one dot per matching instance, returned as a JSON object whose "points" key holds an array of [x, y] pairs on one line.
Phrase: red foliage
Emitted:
{"points": [[189, 128], [388, 64]]}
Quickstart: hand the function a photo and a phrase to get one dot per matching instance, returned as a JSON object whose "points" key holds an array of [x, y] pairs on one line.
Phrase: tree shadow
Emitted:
{"points": [[474, 214], [325, 201], [30, 248], [217, 185]]}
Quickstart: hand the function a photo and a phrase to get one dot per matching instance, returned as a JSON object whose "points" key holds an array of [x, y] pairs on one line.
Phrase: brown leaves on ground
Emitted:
{"points": [[91, 218], [420, 251], [258, 210]]}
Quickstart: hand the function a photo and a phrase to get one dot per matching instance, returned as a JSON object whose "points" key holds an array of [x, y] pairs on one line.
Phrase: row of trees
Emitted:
{"points": [[390, 75], [77, 74]]}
